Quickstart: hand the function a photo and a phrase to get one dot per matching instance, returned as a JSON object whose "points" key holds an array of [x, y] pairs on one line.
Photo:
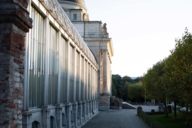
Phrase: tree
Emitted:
{"points": [[172, 78], [180, 69], [120, 86], [136, 92], [116, 85], [156, 83]]}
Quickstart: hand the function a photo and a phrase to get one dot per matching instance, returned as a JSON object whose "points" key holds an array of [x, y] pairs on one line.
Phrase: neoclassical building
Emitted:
{"points": [[97, 38], [54, 64]]}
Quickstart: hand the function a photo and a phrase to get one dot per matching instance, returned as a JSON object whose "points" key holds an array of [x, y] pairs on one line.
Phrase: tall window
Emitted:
{"points": [[64, 120], [72, 72], [63, 70], [78, 75], [82, 79], [74, 17], [66, 71], [86, 80], [35, 124], [52, 122], [36, 60], [89, 81], [94, 83], [53, 65]]}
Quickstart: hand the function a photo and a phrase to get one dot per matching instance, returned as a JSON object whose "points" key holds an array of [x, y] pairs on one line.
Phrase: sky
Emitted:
{"points": [[143, 31]]}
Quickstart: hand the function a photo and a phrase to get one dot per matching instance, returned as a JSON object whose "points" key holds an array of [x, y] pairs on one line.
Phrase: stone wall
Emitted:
{"points": [[73, 71], [14, 23], [15, 111]]}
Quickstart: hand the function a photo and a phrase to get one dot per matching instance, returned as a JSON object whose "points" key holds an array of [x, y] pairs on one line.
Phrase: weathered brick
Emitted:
{"points": [[13, 26]]}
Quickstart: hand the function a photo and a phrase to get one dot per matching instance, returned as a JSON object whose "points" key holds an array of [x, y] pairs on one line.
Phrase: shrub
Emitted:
{"points": [[139, 111], [115, 102]]}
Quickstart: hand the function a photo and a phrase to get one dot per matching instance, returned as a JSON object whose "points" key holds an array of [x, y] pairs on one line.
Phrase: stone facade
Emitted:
{"points": [[70, 72], [96, 36], [49, 76]]}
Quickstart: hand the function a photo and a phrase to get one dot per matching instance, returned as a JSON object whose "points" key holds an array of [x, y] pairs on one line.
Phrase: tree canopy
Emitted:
{"points": [[127, 88], [172, 78]]}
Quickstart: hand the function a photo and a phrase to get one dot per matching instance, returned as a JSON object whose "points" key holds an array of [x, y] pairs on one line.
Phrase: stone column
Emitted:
{"points": [[104, 97], [14, 24]]}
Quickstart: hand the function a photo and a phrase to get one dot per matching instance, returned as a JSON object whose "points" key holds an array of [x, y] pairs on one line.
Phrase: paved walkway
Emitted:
{"points": [[125, 118]]}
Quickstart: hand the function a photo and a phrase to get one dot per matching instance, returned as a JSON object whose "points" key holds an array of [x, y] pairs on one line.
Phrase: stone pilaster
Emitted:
{"points": [[14, 23], [69, 114], [80, 111], [104, 94], [74, 114], [104, 102]]}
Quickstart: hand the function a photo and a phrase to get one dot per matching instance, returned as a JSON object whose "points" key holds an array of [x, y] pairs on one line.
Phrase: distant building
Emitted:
{"points": [[97, 38], [51, 77]]}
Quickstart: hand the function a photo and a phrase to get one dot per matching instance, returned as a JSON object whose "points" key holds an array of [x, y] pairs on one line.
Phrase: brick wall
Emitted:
{"points": [[14, 23]]}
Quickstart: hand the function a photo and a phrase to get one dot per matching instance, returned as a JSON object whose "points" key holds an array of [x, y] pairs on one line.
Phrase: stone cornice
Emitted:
{"points": [[58, 13], [14, 11], [81, 6]]}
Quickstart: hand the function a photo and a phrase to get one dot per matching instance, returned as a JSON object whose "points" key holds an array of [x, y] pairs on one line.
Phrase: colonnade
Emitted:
{"points": [[60, 80]]}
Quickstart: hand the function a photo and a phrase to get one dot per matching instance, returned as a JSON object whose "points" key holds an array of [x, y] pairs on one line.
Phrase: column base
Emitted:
{"points": [[104, 103]]}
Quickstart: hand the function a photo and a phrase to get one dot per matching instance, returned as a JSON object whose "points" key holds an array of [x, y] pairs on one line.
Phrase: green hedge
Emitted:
{"points": [[159, 120]]}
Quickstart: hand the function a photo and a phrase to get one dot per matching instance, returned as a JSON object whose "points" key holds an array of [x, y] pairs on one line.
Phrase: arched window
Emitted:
{"points": [[35, 124], [52, 122], [64, 121]]}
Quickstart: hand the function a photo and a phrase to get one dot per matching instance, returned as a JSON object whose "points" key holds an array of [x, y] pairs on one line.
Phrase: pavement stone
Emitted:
{"points": [[125, 118]]}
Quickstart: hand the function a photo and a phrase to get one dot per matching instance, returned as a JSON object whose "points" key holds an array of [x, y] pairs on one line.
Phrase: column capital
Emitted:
{"points": [[15, 12]]}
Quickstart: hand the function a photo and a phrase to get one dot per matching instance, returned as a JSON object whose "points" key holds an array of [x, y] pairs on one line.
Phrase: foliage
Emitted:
{"points": [[156, 82], [168, 80], [182, 67], [161, 121], [171, 79], [127, 88], [136, 92], [117, 86]]}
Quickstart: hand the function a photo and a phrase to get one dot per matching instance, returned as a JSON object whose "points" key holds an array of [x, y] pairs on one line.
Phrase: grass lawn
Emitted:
{"points": [[166, 122]]}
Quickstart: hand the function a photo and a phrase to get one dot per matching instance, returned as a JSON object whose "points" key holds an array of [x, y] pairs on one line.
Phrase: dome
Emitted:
{"points": [[76, 1], [79, 2]]}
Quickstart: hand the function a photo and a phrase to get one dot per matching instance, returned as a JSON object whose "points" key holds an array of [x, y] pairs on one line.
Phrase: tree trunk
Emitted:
{"points": [[175, 109], [166, 112], [187, 108]]}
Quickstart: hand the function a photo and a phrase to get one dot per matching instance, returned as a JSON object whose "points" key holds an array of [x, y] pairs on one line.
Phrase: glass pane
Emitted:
{"points": [[53, 66], [36, 52]]}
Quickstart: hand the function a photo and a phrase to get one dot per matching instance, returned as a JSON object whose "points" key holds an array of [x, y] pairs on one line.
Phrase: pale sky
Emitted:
{"points": [[143, 31]]}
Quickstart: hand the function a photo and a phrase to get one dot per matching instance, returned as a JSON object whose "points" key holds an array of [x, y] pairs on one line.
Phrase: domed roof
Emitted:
{"points": [[80, 2]]}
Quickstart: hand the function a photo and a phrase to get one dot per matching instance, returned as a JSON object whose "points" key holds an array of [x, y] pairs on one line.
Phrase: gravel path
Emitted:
{"points": [[116, 119]]}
